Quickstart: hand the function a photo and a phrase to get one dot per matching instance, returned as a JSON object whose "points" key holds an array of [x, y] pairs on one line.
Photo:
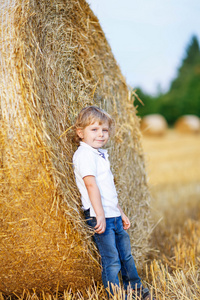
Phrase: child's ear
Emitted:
{"points": [[79, 132]]}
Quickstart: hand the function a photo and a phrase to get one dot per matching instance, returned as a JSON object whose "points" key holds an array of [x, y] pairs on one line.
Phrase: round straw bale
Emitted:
{"points": [[154, 124], [188, 124], [55, 60]]}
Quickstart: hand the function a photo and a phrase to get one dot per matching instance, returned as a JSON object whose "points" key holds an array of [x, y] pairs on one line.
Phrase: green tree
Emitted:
{"points": [[183, 96], [150, 104]]}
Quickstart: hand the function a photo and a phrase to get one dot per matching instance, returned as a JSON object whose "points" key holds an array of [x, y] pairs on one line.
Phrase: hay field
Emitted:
{"points": [[172, 159], [173, 170]]}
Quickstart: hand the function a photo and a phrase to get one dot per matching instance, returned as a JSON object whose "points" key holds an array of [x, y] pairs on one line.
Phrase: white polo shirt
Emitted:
{"points": [[87, 161]]}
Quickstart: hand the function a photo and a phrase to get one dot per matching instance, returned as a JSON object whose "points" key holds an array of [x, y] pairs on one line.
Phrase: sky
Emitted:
{"points": [[148, 37]]}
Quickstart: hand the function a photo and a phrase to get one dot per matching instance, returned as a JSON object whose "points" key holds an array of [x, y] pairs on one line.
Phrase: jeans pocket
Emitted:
{"points": [[91, 222]]}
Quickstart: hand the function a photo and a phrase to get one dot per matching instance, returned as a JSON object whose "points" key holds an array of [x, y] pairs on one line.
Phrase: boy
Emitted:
{"points": [[100, 203]]}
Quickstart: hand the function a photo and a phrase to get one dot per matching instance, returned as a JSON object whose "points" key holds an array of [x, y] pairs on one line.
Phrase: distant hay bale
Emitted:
{"points": [[55, 60], [188, 124], [154, 124]]}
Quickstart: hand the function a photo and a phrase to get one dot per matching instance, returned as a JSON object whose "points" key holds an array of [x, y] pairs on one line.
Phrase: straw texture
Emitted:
{"points": [[55, 60]]}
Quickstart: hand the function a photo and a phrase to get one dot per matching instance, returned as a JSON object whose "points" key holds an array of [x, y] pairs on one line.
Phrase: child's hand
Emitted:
{"points": [[126, 222], [101, 224]]}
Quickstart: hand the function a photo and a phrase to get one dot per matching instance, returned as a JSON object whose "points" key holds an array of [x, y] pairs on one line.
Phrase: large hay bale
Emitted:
{"points": [[154, 124], [188, 124], [54, 61]]}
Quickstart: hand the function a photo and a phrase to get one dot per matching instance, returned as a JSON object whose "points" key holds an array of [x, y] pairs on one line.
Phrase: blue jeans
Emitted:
{"points": [[115, 251]]}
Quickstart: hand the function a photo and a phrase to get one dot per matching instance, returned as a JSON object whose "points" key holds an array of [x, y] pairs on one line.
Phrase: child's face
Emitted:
{"points": [[95, 135]]}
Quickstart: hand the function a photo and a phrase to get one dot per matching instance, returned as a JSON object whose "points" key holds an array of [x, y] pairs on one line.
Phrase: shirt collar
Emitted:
{"points": [[93, 149]]}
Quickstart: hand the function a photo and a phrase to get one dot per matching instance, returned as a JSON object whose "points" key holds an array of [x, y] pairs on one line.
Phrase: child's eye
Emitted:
{"points": [[106, 130], [94, 129]]}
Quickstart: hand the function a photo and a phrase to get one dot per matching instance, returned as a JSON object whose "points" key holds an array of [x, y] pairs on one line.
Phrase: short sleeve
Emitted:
{"points": [[85, 163]]}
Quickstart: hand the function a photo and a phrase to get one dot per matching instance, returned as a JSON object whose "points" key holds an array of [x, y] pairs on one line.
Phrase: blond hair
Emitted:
{"points": [[89, 115]]}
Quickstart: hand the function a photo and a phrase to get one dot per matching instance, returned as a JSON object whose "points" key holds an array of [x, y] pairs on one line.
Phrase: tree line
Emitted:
{"points": [[183, 96]]}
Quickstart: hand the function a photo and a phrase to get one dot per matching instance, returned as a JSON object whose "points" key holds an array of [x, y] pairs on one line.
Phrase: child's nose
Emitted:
{"points": [[101, 132]]}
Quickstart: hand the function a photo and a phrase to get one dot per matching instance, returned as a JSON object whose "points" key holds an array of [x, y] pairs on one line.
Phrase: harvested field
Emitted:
{"points": [[174, 177], [173, 159]]}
